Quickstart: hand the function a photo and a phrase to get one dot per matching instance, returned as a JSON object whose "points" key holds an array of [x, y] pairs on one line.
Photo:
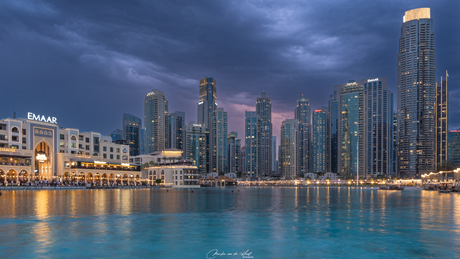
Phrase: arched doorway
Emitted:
{"points": [[2, 177], [81, 177], [97, 178], [43, 160], [118, 179], [73, 177], [137, 180], [66, 177], [125, 179], [104, 179], [89, 178], [11, 176], [23, 176], [111, 178]]}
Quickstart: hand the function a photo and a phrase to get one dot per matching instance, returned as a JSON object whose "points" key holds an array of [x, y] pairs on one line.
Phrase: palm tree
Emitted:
{"points": [[152, 163], [164, 159]]}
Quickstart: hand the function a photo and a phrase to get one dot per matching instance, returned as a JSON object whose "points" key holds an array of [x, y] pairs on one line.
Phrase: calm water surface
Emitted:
{"points": [[315, 222]]}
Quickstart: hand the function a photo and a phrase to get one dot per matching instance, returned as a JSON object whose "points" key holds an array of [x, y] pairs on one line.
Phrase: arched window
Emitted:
{"points": [[73, 137], [15, 129]]}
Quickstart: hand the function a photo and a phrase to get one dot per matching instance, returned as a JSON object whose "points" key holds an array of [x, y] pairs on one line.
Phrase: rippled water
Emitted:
{"points": [[315, 222]]}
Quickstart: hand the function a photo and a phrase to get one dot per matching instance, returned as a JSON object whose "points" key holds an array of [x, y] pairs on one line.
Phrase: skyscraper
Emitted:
{"points": [[234, 146], [379, 127], [117, 135], [442, 120], [302, 111], [208, 101], [289, 158], [132, 133], [320, 141], [218, 141], [176, 130], [156, 122], [264, 110], [334, 118], [196, 146], [454, 147], [416, 94], [251, 144], [274, 166], [352, 129]]}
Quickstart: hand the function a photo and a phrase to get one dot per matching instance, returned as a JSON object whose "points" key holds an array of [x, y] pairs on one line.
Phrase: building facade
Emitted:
{"points": [[416, 94], [352, 128], [196, 147], [289, 156], [264, 111], [177, 130], [302, 111], [234, 146], [251, 144], [33, 149], [132, 126], [219, 154], [334, 119], [207, 103], [320, 141], [379, 127], [454, 147], [442, 120], [156, 121]]}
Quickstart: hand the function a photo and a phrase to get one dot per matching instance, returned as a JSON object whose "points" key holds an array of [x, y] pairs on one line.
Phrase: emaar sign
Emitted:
{"points": [[42, 118]]}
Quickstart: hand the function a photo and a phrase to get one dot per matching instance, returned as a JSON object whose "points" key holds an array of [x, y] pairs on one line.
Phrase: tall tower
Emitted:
{"points": [[132, 133], [334, 118], [264, 110], [416, 94], [252, 126], [289, 150], [208, 101], [219, 141], [320, 141], [177, 130], [442, 120], [302, 110], [156, 121], [379, 127], [352, 129], [196, 146], [234, 147]]}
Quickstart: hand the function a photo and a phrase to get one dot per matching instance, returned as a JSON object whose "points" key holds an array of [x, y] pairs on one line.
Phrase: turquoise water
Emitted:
{"points": [[270, 222]]}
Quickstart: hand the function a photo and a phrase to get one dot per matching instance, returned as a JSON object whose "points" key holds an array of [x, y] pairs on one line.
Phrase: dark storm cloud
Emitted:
{"points": [[87, 62]]}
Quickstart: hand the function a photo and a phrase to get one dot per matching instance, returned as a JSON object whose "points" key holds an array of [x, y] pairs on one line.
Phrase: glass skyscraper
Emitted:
{"points": [[320, 143], [352, 128], [196, 146], [264, 110], [289, 149], [156, 122], [442, 119], [416, 94], [218, 141], [252, 126], [207, 101], [132, 133], [334, 128], [176, 130]]}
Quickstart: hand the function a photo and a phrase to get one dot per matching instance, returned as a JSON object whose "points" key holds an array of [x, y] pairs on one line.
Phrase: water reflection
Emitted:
{"points": [[270, 221]]}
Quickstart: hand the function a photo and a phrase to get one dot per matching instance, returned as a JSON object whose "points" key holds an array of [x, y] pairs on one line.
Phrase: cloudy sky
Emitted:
{"points": [[87, 62]]}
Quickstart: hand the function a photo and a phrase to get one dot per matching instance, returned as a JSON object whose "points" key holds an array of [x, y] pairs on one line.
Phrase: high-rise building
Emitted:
{"points": [[442, 120], [320, 141], [177, 129], [242, 162], [304, 148], [117, 135], [416, 94], [234, 147], [142, 141], [395, 145], [251, 144], [454, 147], [218, 141], [132, 133], [208, 101], [352, 128], [156, 122], [302, 111], [334, 118], [274, 166], [379, 127], [196, 146], [264, 110], [289, 157]]}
